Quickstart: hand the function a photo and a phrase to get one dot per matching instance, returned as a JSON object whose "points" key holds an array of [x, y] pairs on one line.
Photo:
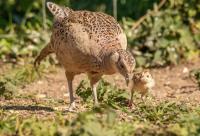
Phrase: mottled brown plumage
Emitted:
{"points": [[87, 42]]}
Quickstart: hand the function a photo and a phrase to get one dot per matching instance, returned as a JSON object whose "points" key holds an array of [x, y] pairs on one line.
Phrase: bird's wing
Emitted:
{"points": [[101, 28]]}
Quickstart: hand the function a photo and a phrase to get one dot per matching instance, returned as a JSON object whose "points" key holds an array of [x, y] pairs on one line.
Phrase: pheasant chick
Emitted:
{"points": [[142, 82]]}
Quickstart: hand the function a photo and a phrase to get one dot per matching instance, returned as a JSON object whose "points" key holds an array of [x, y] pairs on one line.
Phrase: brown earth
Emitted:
{"points": [[173, 83]]}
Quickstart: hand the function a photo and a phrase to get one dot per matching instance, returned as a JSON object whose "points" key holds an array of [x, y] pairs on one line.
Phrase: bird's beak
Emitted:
{"points": [[127, 80]]}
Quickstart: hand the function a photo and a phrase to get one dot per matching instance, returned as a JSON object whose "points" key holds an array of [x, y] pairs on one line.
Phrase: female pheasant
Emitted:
{"points": [[87, 42]]}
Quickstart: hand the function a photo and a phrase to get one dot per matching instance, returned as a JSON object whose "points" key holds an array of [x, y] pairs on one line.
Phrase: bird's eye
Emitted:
{"points": [[121, 66]]}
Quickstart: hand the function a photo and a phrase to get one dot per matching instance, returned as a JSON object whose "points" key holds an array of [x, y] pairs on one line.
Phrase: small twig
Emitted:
{"points": [[114, 8], [6, 36], [23, 22], [136, 24], [44, 13]]}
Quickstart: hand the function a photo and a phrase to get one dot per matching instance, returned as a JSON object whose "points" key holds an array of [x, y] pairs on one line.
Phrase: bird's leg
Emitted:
{"points": [[94, 89], [130, 102], [94, 82], [70, 78], [143, 97], [44, 52]]}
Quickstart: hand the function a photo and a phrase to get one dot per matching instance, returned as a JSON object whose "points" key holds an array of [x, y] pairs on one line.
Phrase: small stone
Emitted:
{"points": [[185, 70], [40, 82], [66, 95], [63, 88], [41, 96]]}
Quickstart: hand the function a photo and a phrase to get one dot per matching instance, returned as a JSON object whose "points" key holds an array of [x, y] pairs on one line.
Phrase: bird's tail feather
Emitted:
{"points": [[56, 10]]}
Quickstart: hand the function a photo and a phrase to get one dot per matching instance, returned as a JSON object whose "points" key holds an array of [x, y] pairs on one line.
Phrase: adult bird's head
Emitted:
{"points": [[124, 63]]}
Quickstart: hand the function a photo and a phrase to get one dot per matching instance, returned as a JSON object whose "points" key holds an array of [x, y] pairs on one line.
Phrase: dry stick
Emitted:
{"points": [[115, 8], [44, 14], [5, 36], [146, 15]]}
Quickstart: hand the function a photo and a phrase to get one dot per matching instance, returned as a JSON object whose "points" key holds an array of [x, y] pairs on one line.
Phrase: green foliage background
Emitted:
{"points": [[165, 36]]}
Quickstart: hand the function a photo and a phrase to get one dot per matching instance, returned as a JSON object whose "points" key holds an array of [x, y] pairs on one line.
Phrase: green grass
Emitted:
{"points": [[111, 118], [196, 73], [18, 76], [106, 121]]}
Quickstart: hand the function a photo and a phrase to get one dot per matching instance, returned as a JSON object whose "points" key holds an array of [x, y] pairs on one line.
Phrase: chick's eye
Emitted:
{"points": [[148, 76]]}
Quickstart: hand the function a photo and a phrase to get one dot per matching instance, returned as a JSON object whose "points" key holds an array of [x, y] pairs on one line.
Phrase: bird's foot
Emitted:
{"points": [[96, 103], [37, 62], [72, 107], [130, 104]]}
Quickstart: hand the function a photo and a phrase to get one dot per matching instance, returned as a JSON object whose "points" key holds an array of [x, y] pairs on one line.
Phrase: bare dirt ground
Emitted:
{"points": [[173, 83], [176, 84]]}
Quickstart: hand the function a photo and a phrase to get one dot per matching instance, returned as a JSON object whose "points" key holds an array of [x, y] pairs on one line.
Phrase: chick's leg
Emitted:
{"points": [[130, 103], [144, 96], [70, 78], [131, 100]]}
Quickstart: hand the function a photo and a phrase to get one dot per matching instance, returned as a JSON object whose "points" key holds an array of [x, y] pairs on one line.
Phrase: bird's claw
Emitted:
{"points": [[72, 107], [130, 103], [37, 62]]}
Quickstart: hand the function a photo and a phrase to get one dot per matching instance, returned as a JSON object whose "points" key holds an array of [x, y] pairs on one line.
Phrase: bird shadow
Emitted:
{"points": [[27, 108]]}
